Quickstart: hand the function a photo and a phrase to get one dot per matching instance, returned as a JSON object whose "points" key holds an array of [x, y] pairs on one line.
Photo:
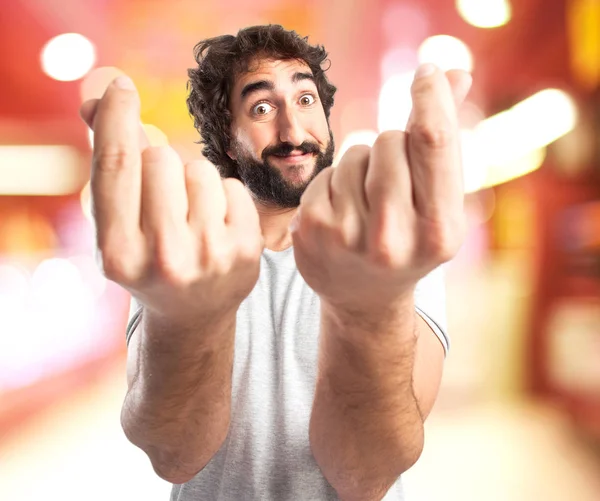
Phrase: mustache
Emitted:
{"points": [[283, 149]]}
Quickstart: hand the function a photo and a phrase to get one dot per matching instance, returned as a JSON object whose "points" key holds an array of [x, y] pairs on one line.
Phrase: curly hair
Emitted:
{"points": [[221, 59]]}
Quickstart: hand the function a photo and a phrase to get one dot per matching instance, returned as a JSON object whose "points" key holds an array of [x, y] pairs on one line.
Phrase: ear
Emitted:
{"points": [[230, 154]]}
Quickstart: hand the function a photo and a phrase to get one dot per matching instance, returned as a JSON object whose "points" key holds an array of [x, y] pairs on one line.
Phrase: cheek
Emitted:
{"points": [[321, 129], [323, 133], [256, 140]]}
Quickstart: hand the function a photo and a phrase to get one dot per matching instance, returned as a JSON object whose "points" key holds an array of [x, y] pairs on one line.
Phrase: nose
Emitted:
{"points": [[290, 128]]}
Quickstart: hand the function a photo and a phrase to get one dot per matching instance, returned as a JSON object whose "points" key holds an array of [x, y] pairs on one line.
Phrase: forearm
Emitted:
{"points": [[366, 428], [178, 406]]}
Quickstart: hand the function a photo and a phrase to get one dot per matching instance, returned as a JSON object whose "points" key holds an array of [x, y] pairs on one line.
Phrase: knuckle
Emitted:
{"points": [[200, 170], [311, 219], [389, 137], [249, 251], [384, 254], [118, 265], [348, 232], [161, 157], [115, 158], [388, 247], [422, 87], [158, 154], [340, 237], [443, 242], [211, 255], [358, 151], [435, 136], [169, 263], [232, 183]]}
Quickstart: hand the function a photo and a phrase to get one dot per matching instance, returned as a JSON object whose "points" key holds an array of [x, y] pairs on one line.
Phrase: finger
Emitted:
{"points": [[388, 181], [88, 110], [348, 197], [241, 216], [433, 146], [315, 210], [460, 82], [348, 181], [164, 195], [116, 166], [206, 198]]}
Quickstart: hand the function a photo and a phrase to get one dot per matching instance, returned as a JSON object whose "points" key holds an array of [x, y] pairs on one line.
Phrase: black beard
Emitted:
{"points": [[266, 183]]}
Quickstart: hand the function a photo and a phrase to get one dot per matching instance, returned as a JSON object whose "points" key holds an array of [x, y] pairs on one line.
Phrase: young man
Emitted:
{"points": [[289, 343]]}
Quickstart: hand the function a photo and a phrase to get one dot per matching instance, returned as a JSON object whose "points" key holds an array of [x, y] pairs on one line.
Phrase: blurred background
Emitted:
{"points": [[518, 415]]}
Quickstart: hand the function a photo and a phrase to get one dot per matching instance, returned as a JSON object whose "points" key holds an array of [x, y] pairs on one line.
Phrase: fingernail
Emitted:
{"points": [[425, 70], [124, 82]]}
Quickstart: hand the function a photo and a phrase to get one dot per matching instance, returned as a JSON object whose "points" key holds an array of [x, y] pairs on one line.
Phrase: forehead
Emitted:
{"points": [[270, 69]]}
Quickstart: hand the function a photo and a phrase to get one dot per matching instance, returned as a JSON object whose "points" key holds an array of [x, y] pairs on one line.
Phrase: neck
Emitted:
{"points": [[274, 223]]}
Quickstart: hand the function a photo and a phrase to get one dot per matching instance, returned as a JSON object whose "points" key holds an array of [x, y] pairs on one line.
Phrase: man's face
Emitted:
{"points": [[280, 137]]}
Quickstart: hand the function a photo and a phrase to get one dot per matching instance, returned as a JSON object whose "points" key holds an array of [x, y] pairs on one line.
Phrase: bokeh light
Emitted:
{"points": [[529, 125], [40, 170], [395, 103], [446, 52], [155, 136], [413, 19], [68, 57], [398, 60], [513, 143], [485, 13]]}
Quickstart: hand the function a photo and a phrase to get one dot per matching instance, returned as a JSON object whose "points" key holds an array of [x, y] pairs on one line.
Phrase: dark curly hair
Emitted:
{"points": [[221, 59]]}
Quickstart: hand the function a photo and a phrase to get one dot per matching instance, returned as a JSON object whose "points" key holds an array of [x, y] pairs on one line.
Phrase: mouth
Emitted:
{"points": [[294, 158]]}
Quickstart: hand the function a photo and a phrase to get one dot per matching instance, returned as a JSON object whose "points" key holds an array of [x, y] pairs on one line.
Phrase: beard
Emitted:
{"points": [[265, 181]]}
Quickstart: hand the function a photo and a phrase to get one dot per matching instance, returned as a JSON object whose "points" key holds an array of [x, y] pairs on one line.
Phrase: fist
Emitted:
{"points": [[369, 229], [183, 241]]}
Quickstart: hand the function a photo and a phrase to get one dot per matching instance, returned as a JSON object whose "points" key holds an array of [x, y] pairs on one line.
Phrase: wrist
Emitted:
{"points": [[200, 324], [373, 312]]}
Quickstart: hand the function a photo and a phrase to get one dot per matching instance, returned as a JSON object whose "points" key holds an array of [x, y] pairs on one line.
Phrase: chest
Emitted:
{"points": [[277, 336]]}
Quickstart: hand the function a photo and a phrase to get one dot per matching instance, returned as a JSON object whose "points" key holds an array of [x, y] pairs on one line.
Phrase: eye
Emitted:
{"points": [[307, 99], [262, 109]]}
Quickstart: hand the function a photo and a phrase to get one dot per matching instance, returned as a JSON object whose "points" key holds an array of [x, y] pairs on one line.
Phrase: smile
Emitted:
{"points": [[294, 158]]}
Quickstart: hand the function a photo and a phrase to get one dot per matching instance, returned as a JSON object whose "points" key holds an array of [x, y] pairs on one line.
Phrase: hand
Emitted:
{"points": [[368, 230], [183, 241]]}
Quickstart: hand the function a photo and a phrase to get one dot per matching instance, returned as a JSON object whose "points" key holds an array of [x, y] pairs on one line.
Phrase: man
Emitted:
{"points": [[282, 350]]}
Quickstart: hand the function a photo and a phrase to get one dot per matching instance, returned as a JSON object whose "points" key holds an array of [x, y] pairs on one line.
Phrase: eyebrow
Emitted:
{"points": [[299, 76], [256, 86], [268, 85]]}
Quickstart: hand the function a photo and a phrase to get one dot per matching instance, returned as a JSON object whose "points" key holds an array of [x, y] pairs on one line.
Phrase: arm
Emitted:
{"points": [[179, 391], [378, 380], [366, 233], [186, 244]]}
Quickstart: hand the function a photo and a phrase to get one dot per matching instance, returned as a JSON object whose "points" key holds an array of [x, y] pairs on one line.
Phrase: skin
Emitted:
{"points": [[188, 244], [291, 112]]}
